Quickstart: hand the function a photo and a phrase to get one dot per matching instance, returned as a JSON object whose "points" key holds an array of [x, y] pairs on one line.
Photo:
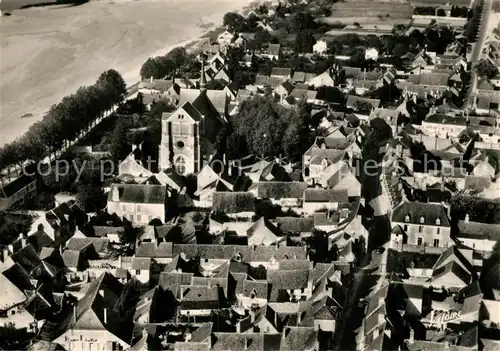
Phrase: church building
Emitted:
{"points": [[189, 133]]}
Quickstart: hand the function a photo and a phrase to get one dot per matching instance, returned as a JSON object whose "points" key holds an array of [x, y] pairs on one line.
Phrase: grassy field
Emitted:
{"points": [[370, 12]]}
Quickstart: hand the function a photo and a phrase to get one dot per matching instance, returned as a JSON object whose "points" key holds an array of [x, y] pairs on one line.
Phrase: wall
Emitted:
{"points": [[144, 216], [311, 207], [429, 234], [89, 340]]}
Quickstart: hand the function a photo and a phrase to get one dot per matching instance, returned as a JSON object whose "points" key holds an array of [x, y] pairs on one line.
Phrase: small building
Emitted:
{"points": [[17, 192], [420, 224], [272, 52], [320, 48], [371, 54], [139, 203]]}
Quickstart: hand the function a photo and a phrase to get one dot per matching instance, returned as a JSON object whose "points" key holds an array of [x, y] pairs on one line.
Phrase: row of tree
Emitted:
{"points": [[163, 66], [65, 121]]}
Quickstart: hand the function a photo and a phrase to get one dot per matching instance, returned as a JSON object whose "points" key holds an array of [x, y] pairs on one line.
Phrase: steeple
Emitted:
{"points": [[203, 78]]}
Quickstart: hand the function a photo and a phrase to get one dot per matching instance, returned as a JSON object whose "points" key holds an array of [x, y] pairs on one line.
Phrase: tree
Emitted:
{"points": [[90, 198], [216, 84], [113, 84], [118, 145], [485, 69], [363, 106], [302, 21], [478, 209], [262, 122], [235, 22], [304, 41], [151, 68]]}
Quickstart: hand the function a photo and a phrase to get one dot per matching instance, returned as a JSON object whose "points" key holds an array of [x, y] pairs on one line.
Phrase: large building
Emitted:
{"points": [[189, 133]]}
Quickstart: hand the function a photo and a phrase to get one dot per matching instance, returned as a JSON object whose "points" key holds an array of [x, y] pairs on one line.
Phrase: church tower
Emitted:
{"points": [[184, 141]]}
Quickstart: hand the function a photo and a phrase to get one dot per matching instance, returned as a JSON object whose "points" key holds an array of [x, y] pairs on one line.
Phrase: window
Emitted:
{"points": [[139, 218], [180, 144], [124, 207], [436, 242], [131, 218], [139, 208], [419, 241], [137, 271], [438, 231], [406, 227], [180, 165], [420, 228]]}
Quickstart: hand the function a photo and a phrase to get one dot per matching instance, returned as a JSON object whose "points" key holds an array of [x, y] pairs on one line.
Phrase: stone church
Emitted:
{"points": [[189, 133]]}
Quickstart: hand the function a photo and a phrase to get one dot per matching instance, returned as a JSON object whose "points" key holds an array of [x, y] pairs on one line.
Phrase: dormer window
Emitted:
{"points": [[438, 221], [407, 218], [422, 219]]}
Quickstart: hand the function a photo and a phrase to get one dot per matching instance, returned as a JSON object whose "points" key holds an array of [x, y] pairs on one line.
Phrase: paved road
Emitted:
{"points": [[477, 49]]}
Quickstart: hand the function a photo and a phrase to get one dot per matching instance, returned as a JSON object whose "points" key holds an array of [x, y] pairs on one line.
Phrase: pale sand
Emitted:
{"points": [[47, 53]]}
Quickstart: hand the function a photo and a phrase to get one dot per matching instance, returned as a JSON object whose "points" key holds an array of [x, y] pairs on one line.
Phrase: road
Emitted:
{"points": [[375, 264], [477, 50]]}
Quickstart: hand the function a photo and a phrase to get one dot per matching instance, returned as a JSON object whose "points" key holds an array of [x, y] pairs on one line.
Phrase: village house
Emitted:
{"points": [[138, 203], [420, 224], [323, 199], [321, 47], [371, 54], [478, 236], [272, 52], [93, 323], [17, 192]]}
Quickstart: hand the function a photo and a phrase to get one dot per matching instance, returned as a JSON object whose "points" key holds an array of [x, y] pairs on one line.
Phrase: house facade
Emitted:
{"points": [[138, 203], [17, 192]]}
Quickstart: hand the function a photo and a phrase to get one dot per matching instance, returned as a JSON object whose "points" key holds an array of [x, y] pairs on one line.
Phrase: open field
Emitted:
{"points": [[370, 12], [48, 52]]}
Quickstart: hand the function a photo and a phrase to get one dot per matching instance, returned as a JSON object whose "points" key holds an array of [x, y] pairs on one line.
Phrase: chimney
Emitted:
{"points": [[74, 314], [115, 194], [238, 327], [120, 261], [467, 218], [105, 316], [252, 316], [412, 337], [151, 79], [446, 345]]}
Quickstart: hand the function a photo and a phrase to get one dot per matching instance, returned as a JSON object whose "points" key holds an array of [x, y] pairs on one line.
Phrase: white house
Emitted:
{"points": [[320, 48], [371, 54], [139, 203]]}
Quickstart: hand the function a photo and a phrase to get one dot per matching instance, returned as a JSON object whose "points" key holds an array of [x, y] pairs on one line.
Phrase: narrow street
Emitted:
{"points": [[477, 48]]}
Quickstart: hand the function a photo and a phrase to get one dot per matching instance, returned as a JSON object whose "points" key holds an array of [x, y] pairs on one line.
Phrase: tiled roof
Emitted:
{"points": [[288, 279], [151, 249], [280, 190], [298, 338], [200, 297], [248, 253], [141, 263], [139, 193], [259, 287], [78, 244], [478, 230], [273, 49], [326, 195], [452, 267], [295, 224], [416, 211], [233, 202], [16, 185]]}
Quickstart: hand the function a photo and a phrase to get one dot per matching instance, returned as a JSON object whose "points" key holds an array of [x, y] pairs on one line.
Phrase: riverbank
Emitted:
{"points": [[49, 52]]}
